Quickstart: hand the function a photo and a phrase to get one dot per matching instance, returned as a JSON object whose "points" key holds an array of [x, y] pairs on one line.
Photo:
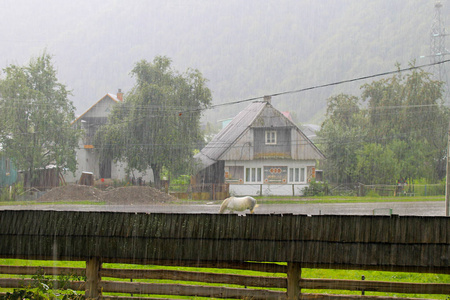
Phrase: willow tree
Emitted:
{"points": [[158, 124], [36, 116]]}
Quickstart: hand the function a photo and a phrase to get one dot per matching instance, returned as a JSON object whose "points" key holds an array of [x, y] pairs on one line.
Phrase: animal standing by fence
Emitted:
{"points": [[238, 204]]}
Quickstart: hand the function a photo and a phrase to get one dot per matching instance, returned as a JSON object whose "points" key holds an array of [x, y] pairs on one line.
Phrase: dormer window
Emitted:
{"points": [[271, 137]]}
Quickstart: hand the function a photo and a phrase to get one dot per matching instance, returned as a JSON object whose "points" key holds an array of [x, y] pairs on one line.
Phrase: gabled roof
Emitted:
{"points": [[108, 95], [251, 117], [228, 135]]}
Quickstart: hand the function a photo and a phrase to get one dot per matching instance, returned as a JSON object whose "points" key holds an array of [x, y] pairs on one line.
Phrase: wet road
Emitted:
{"points": [[435, 208]]}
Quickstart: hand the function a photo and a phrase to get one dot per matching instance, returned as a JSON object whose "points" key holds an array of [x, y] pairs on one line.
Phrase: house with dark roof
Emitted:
{"points": [[87, 159], [260, 152]]}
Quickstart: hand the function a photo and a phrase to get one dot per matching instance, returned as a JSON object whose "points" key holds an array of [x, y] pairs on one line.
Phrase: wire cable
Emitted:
{"points": [[331, 84]]}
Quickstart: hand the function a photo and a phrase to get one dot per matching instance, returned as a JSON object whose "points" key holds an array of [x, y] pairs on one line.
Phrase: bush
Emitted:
{"points": [[10, 195], [45, 288], [372, 193], [316, 189], [4, 194]]}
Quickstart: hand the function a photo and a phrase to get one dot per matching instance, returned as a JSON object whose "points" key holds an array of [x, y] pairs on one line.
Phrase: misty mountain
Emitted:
{"points": [[245, 49]]}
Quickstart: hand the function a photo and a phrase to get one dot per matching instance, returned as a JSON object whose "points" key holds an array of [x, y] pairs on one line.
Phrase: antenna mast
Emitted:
{"points": [[437, 46]]}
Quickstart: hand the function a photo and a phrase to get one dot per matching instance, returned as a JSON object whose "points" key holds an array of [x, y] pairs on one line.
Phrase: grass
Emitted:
{"points": [[306, 273], [345, 199]]}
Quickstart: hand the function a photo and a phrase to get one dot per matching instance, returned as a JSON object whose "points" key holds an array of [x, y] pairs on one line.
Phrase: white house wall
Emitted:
{"points": [[101, 109], [241, 187], [88, 162], [118, 171], [267, 190]]}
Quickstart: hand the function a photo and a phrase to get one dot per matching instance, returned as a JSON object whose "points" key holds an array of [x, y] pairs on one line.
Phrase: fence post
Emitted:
{"points": [[363, 278], [294, 273], [93, 278]]}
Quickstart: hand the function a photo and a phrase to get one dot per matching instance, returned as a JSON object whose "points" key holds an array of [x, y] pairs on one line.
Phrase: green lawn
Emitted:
{"points": [[345, 199]]}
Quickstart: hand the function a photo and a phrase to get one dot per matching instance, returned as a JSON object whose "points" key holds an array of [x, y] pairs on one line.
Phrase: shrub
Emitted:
{"points": [[316, 189], [372, 193], [45, 288]]}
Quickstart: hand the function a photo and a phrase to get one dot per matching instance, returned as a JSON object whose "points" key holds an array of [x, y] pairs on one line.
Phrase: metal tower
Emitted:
{"points": [[437, 46]]}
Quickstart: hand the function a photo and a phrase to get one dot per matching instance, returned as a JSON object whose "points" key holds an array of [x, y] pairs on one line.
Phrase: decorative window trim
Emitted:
{"points": [[234, 174]]}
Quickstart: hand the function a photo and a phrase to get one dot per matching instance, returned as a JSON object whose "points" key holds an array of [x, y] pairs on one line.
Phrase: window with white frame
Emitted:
{"points": [[253, 175], [296, 175], [271, 137]]}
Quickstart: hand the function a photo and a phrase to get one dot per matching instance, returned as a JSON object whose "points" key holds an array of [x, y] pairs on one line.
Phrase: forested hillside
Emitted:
{"points": [[244, 48]]}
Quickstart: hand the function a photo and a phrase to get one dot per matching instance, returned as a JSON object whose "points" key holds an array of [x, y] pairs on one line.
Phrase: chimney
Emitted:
{"points": [[120, 95], [267, 99]]}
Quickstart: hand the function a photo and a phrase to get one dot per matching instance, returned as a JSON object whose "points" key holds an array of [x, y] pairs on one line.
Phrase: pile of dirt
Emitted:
{"points": [[122, 195]]}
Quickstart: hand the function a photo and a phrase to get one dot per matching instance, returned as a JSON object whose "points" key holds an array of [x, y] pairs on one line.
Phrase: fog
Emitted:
{"points": [[245, 49]]}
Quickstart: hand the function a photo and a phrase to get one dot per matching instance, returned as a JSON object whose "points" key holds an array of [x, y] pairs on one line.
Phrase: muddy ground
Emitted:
{"points": [[121, 195]]}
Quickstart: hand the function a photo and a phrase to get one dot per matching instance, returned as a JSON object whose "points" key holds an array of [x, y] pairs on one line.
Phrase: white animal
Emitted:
{"points": [[238, 204]]}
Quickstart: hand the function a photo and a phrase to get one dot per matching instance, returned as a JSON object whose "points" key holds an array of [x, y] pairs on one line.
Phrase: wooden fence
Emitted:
{"points": [[289, 242], [207, 191], [408, 190]]}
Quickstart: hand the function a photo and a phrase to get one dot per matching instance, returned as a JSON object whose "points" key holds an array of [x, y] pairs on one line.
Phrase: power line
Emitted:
{"points": [[332, 83], [182, 109]]}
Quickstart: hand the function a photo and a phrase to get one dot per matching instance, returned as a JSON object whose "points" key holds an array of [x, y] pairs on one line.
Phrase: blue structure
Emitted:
{"points": [[8, 173]]}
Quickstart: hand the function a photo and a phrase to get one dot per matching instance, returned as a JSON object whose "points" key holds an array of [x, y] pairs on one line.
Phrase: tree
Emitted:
{"points": [[36, 116], [158, 124], [403, 131], [376, 164], [342, 133], [410, 108], [413, 158]]}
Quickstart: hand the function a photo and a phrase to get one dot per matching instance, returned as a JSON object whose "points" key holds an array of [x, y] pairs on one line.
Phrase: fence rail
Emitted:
{"points": [[209, 191], [262, 285], [359, 189]]}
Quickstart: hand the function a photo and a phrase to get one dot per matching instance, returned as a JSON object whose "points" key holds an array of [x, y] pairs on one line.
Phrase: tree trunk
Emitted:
{"points": [[28, 178], [156, 174]]}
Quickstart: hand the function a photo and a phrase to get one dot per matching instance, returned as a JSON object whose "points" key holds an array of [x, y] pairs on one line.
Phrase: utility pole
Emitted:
{"points": [[447, 180], [437, 53]]}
